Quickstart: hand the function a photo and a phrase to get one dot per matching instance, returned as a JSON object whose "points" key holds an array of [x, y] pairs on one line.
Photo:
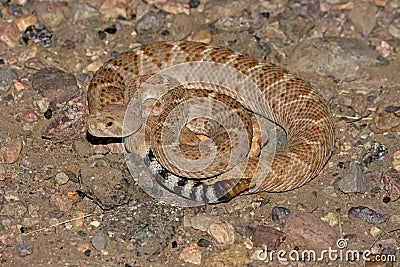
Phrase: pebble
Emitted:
{"points": [[99, 241], [202, 36], [203, 243], [23, 249], [39, 35], [61, 201], [70, 123], [83, 11], [30, 116], [279, 214], [181, 26], [13, 209], [51, 14], [43, 105], [310, 231], [375, 151], [232, 24], [223, 233], [296, 26], [56, 214], [267, 237], [366, 214], [10, 152], [351, 238], [363, 16], [200, 221], [396, 160], [394, 28], [61, 179], [7, 77], [113, 8], [54, 84], [151, 22], [345, 57], [375, 231], [331, 218], [392, 180], [24, 21], [234, 255], [191, 254], [354, 180], [95, 223]]}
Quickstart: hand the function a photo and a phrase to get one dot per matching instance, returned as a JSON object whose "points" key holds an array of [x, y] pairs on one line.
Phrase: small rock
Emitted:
{"points": [[375, 231], [345, 57], [279, 214], [174, 7], [13, 209], [296, 27], [25, 21], [61, 179], [234, 255], [202, 36], [384, 49], [354, 180], [223, 233], [83, 11], [62, 202], [366, 214], [99, 241], [331, 219], [151, 22], [7, 77], [181, 26], [30, 116], [51, 14], [267, 237], [70, 123], [114, 8], [203, 243], [43, 105], [23, 249], [310, 231], [95, 223], [218, 9], [394, 28], [54, 84], [363, 16], [191, 254], [201, 222], [351, 238], [82, 148], [396, 160], [375, 151], [392, 180], [10, 152], [38, 35], [232, 24]]}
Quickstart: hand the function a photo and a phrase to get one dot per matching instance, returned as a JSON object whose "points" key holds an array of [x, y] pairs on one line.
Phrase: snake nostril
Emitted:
{"points": [[109, 124]]}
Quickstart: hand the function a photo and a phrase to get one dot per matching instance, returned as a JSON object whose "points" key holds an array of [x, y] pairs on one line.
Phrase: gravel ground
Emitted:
{"points": [[67, 199]]}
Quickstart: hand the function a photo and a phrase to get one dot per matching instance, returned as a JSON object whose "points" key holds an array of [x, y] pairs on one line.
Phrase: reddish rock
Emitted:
{"points": [[265, 236], [310, 231]]}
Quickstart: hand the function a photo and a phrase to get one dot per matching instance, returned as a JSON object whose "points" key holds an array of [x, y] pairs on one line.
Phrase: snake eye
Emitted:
{"points": [[109, 124]]}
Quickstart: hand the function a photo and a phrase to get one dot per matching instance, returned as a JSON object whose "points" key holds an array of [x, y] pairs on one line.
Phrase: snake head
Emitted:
{"points": [[113, 121]]}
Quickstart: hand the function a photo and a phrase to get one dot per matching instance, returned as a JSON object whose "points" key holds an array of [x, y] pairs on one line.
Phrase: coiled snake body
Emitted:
{"points": [[220, 94]]}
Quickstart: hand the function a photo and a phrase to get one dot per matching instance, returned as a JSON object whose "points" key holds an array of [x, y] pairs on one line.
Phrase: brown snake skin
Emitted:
{"points": [[283, 98]]}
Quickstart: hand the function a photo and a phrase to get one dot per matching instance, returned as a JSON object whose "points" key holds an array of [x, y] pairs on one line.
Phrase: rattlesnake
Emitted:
{"points": [[174, 73]]}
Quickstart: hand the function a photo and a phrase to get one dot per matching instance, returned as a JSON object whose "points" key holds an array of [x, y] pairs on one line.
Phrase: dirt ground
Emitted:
{"points": [[68, 199]]}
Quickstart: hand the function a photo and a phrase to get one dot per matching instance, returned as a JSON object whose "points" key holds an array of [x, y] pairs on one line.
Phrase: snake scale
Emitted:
{"points": [[190, 76]]}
